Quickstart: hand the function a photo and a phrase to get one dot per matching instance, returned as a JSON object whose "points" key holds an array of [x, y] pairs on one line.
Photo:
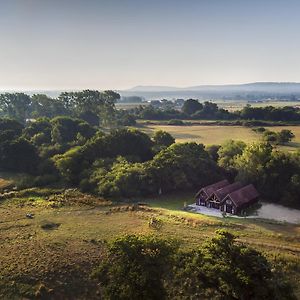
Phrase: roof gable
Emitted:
{"points": [[243, 195], [224, 191], [209, 189]]}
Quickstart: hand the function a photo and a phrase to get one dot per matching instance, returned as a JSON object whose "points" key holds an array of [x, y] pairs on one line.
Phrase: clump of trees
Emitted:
{"points": [[137, 171], [279, 138], [147, 267], [275, 173], [94, 107]]}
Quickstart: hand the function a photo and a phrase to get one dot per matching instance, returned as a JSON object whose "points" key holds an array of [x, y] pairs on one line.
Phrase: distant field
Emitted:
{"points": [[213, 134], [233, 105]]}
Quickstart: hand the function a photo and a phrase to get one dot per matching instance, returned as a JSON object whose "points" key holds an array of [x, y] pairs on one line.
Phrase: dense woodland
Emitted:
{"points": [[125, 163]]}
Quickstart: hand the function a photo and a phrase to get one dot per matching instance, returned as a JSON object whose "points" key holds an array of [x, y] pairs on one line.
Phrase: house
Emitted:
{"points": [[206, 191], [216, 198], [239, 199]]}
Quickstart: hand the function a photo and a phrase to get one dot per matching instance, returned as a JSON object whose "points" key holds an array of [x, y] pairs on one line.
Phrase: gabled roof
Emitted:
{"points": [[244, 195], [209, 189], [224, 191]]}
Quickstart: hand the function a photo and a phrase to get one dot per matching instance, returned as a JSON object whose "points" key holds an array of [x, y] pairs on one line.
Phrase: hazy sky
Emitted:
{"points": [[117, 44]]}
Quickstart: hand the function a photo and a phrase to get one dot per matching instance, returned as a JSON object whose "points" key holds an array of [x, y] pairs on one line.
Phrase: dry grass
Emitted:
{"points": [[63, 256], [212, 134]]}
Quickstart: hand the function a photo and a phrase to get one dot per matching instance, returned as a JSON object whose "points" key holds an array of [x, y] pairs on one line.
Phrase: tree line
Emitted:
{"points": [[193, 109], [98, 109], [127, 163]]}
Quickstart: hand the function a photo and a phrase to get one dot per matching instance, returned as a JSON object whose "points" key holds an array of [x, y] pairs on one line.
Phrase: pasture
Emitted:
{"points": [[217, 134], [59, 247]]}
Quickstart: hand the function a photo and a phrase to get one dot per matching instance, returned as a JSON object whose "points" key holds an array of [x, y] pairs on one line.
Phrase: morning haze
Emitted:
{"points": [[120, 44]]}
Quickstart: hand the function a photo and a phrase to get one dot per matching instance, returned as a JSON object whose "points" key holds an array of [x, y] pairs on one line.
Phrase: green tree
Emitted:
{"points": [[285, 136], [15, 105], [225, 269], [228, 152], [213, 151], [183, 166], [123, 179], [162, 139], [92, 106], [18, 155], [44, 106], [65, 129], [190, 106], [252, 163], [135, 268]]}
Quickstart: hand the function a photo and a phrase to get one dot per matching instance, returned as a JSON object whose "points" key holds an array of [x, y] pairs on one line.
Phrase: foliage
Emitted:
{"points": [[162, 139], [123, 179], [147, 267], [135, 268], [279, 138], [190, 106], [15, 106], [175, 122], [89, 105], [225, 269], [273, 172], [213, 151], [229, 151]]}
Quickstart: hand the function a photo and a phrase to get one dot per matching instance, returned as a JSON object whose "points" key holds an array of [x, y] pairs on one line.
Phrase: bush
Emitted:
{"points": [[175, 122]]}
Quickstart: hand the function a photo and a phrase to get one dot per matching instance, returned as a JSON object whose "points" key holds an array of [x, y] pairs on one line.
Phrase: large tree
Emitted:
{"points": [[190, 106], [135, 268], [15, 105], [90, 105]]}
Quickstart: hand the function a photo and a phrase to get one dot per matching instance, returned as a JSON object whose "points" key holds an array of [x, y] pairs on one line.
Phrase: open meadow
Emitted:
{"points": [[217, 134], [60, 246]]}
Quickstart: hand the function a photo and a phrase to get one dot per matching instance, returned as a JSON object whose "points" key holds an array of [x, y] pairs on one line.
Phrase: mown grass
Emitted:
{"points": [[62, 256]]}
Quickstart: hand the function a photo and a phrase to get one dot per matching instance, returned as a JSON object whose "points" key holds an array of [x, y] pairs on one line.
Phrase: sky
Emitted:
{"points": [[118, 44]]}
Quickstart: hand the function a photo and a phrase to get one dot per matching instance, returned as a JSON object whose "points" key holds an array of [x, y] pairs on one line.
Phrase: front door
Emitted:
{"points": [[229, 208]]}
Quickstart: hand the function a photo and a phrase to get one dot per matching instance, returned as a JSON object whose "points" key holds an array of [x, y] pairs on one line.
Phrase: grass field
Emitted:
{"points": [[233, 105], [59, 247], [213, 134]]}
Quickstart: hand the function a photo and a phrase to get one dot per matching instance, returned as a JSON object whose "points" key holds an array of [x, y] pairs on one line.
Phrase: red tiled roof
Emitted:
{"points": [[244, 195], [224, 191], [208, 190]]}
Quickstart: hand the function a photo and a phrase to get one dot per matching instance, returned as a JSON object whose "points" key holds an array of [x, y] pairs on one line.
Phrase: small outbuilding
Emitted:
{"points": [[205, 192], [240, 199]]}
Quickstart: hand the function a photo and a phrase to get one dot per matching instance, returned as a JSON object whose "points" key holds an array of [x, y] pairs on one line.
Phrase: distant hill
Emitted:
{"points": [[264, 89], [247, 91]]}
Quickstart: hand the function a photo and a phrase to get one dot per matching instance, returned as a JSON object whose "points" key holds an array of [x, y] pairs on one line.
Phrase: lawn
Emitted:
{"points": [[213, 134]]}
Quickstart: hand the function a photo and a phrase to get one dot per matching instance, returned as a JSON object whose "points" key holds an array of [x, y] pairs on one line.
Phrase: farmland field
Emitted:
{"points": [[214, 134]]}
